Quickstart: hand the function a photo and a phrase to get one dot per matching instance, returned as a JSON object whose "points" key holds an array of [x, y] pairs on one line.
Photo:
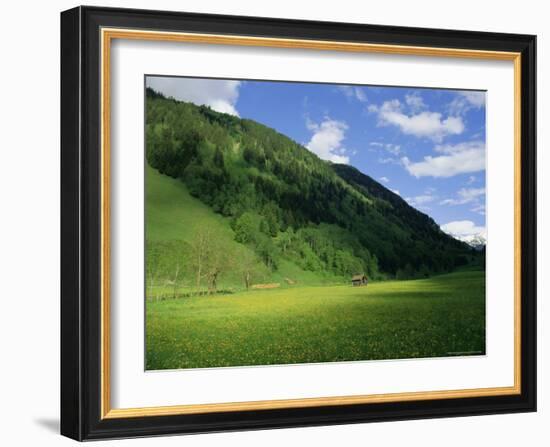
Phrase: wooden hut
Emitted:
{"points": [[359, 280]]}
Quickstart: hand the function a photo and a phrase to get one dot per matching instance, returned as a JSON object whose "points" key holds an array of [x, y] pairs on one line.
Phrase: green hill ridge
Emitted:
{"points": [[231, 203]]}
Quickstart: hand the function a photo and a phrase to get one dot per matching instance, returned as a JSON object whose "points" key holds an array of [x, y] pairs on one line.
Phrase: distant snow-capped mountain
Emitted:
{"points": [[467, 231], [477, 241]]}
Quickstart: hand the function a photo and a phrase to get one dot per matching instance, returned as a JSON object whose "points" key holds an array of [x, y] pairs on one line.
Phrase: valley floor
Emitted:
{"points": [[435, 317]]}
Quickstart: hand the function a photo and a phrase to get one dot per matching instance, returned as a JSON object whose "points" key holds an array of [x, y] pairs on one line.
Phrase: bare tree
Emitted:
{"points": [[152, 268], [248, 267], [201, 248], [211, 258], [217, 262], [176, 280]]}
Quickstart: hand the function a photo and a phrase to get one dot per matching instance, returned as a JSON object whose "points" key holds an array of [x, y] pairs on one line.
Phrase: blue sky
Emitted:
{"points": [[427, 145]]}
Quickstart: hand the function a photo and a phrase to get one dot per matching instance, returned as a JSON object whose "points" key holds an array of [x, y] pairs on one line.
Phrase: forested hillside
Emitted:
{"points": [[285, 206]]}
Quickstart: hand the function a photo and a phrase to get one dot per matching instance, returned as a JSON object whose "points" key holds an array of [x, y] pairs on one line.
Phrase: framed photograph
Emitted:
{"points": [[276, 223]]}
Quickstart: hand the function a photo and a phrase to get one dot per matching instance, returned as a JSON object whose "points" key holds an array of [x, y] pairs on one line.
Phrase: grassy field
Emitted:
{"points": [[440, 316], [173, 214]]}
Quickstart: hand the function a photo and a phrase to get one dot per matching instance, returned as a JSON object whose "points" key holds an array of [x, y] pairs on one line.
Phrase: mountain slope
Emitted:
{"points": [[425, 235], [173, 218], [286, 204]]}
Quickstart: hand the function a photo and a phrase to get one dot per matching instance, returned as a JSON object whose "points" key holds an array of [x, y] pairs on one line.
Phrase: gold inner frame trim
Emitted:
{"points": [[107, 35]]}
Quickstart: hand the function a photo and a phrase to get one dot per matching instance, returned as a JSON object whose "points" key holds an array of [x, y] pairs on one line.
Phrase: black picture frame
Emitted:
{"points": [[81, 223]]}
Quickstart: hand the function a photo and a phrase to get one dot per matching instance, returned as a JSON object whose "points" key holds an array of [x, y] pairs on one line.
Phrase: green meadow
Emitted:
{"points": [[439, 316], [251, 243]]}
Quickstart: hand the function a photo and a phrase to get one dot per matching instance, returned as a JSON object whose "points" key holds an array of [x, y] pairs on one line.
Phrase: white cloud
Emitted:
{"points": [[465, 101], [415, 102], [460, 147], [424, 124], [327, 139], [465, 195], [477, 99], [372, 108], [220, 95], [471, 180], [353, 92], [395, 191], [360, 95], [311, 125], [456, 159], [480, 209], [385, 179], [464, 230], [388, 160], [393, 149], [417, 201]]}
